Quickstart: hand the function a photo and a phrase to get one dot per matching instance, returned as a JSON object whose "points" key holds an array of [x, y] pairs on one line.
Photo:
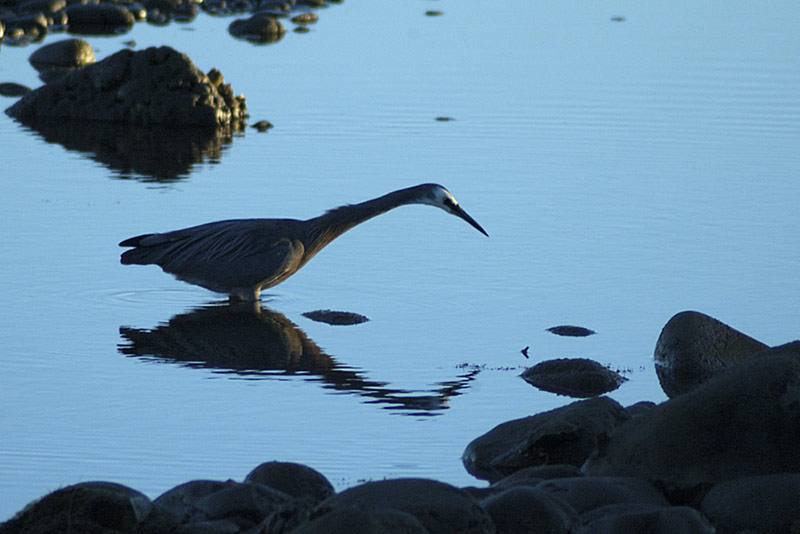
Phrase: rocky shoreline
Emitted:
{"points": [[721, 455]]}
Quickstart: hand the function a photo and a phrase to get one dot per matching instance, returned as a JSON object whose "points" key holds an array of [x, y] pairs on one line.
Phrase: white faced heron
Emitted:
{"points": [[244, 256]]}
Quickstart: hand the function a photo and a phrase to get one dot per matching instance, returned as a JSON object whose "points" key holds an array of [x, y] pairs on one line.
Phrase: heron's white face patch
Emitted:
{"points": [[441, 198]]}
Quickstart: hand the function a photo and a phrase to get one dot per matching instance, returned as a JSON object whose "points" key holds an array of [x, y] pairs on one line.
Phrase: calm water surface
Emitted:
{"points": [[625, 171]]}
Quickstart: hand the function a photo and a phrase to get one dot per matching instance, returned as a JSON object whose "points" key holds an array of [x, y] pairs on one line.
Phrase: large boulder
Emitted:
{"points": [[693, 347], [156, 86], [566, 435], [744, 421]]}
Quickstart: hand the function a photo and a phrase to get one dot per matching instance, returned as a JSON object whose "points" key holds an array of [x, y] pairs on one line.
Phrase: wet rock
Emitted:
{"points": [[156, 86], [434, 13], [531, 476], [570, 331], [102, 507], [65, 54], [587, 493], [222, 504], [336, 317], [26, 28], [639, 408], [357, 519], [46, 7], [260, 27], [768, 503], [573, 377], [13, 89], [305, 18], [439, 507], [521, 510], [693, 347], [639, 517], [566, 435], [295, 480], [99, 19], [262, 126], [744, 421]]}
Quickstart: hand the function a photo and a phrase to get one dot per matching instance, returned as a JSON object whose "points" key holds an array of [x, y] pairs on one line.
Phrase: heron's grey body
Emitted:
{"points": [[241, 257]]}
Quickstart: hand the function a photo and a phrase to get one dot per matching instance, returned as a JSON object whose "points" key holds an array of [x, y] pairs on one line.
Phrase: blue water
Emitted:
{"points": [[625, 171]]}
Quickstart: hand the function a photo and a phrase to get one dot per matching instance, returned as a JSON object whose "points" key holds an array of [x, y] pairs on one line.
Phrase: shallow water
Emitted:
{"points": [[625, 171]]}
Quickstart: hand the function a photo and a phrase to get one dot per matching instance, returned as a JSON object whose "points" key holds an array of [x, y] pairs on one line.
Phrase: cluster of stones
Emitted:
{"points": [[719, 456], [155, 86], [26, 21]]}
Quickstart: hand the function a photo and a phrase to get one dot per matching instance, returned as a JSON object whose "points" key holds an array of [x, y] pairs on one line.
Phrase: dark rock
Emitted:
{"points": [[99, 19], [13, 89], [296, 480], [574, 377], [440, 508], [588, 493], [744, 421], [203, 501], [26, 28], [92, 507], [639, 408], [649, 518], [262, 126], [356, 519], [570, 331], [65, 54], [767, 503], [531, 476], [336, 317], [156, 86], [566, 435], [46, 7], [305, 18], [260, 27], [693, 347], [523, 510]]}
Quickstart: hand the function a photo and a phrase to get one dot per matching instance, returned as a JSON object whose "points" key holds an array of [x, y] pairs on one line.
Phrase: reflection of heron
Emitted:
{"points": [[252, 341], [241, 257]]}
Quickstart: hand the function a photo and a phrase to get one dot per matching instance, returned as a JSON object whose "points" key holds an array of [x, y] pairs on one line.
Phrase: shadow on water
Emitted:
{"points": [[249, 340], [147, 153]]}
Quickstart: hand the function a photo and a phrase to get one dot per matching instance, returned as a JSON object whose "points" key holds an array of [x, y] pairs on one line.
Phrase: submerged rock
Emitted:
{"points": [[693, 347], [156, 86], [336, 317], [570, 331], [573, 377]]}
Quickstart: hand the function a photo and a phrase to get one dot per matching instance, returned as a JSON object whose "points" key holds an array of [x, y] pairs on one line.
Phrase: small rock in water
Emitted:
{"points": [[65, 54], [434, 13], [305, 18], [570, 331], [444, 119], [13, 89], [573, 377], [262, 126], [336, 317]]}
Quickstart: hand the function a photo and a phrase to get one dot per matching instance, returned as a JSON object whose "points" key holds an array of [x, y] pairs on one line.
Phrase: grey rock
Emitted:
{"points": [[356, 520], [573, 377], [587, 493], [693, 347], [566, 435], [767, 503], [652, 519], [523, 510], [744, 421], [64, 54], [106, 19], [156, 86], [260, 27], [92, 507], [296, 480], [439, 507], [203, 501]]}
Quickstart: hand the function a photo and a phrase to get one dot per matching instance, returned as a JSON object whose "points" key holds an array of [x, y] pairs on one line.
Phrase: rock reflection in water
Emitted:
{"points": [[248, 340], [149, 153]]}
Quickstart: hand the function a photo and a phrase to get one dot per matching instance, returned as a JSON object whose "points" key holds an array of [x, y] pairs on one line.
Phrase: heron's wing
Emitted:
{"points": [[223, 255]]}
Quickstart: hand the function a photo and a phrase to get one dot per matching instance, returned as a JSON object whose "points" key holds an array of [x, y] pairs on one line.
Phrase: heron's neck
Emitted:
{"points": [[335, 222]]}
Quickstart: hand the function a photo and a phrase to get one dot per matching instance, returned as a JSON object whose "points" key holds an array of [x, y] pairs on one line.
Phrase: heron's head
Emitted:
{"points": [[436, 195]]}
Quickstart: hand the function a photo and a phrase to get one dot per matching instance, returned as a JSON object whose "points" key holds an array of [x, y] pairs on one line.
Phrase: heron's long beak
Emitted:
{"points": [[459, 211]]}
